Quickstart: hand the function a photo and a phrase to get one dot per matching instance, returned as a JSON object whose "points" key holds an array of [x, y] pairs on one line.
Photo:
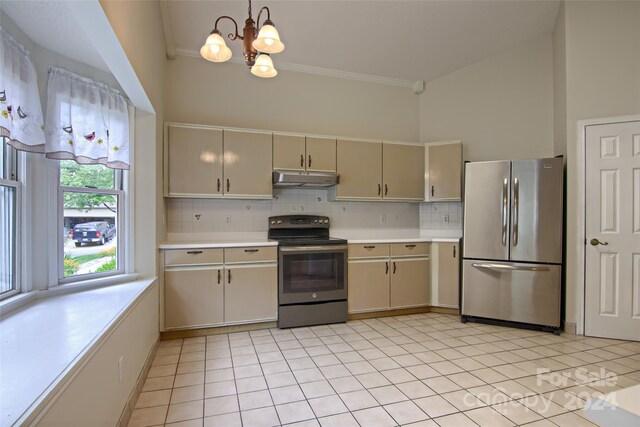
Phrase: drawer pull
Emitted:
{"points": [[301, 160], [386, 268], [369, 247], [454, 251], [410, 246], [218, 277], [394, 267], [251, 250], [194, 252], [228, 277]]}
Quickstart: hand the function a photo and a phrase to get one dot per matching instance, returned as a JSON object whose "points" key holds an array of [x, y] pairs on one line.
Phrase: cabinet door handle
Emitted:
{"points": [[251, 250], [309, 161], [301, 160], [386, 268], [228, 185], [219, 276], [194, 252], [454, 251], [379, 189], [386, 189], [394, 267], [410, 246], [228, 277], [218, 186], [432, 191], [369, 247]]}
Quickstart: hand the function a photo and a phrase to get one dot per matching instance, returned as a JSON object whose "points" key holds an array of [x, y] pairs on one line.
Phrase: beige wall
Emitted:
{"points": [[138, 27], [227, 94], [602, 80], [559, 85], [501, 108]]}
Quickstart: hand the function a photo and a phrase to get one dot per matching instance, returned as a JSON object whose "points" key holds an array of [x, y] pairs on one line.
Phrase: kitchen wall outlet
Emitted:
{"points": [[120, 368], [227, 219], [383, 219], [445, 218], [293, 208], [197, 217]]}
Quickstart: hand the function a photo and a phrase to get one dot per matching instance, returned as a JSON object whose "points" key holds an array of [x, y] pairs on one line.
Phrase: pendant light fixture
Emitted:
{"points": [[257, 45]]}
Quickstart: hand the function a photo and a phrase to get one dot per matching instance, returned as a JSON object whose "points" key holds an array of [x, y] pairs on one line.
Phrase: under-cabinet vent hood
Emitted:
{"points": [[304, 179]]}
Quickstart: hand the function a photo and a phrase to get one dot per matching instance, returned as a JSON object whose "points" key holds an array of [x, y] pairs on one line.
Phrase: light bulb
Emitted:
{"points": [[214, 48], [264, 69], [268, 41]]}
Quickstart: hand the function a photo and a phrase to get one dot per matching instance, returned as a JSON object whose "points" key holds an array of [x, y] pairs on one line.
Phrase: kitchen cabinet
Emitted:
{"points": [[444, 181], [213, 287], [359, 164], [447, 274], [403, 172], [193, 161], [300, 153], [204, 161], [387, 276]]}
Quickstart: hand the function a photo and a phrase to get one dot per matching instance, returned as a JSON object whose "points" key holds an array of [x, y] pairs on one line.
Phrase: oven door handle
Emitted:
{"points": [[327, 248]]}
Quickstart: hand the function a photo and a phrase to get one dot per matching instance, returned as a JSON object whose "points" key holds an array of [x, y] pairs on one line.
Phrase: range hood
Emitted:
{"points": [[304, 179]]}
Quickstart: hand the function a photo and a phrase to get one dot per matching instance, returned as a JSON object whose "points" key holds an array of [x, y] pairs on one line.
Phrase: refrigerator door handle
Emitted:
{"points": [[494, 266], [516, 209], [505, 198]]}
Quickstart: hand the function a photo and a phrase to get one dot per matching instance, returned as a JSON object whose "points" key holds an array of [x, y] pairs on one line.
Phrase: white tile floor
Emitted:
{"points": [[420, 370]]}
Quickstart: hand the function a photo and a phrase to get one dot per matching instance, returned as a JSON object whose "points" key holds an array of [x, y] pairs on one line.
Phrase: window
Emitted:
{"points": [[10, 190], [91, 205]]}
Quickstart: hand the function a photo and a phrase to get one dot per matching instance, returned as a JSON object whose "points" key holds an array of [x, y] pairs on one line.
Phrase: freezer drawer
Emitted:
{"points": [[517, 292]]}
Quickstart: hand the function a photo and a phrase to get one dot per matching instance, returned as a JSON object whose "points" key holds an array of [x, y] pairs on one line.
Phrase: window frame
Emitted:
{"points": [[120, 223], [9, 178]]}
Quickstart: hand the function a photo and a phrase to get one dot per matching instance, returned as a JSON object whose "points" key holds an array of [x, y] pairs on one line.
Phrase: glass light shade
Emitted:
{"points": [[215, 49], [268, 40], [264, 67]]}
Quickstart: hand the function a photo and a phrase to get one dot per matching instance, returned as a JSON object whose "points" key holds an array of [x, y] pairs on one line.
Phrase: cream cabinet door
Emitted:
{"points": [[248, 164], [368, 285], [289, 152], [321, 154], [403, 172], [359, 164], [448, 274], [193, 297], [251, 293], [194, 161], [409, 282], [445, 172]]}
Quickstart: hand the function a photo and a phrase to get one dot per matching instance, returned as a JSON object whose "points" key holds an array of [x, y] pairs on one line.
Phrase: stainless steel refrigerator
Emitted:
{"points": [[512, 251]]}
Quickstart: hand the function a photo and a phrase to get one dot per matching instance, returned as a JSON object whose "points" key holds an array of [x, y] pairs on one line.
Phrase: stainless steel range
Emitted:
{"points": [[312, 271]]}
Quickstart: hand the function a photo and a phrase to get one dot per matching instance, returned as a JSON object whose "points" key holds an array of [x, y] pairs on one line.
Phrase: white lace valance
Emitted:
{"points": [[86, 121], [20, 107]]}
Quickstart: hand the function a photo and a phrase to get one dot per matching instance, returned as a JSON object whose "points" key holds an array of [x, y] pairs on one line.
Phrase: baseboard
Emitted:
{"points": [[445, 310], [570, 328], [389, 313], [133, 396], [191, 333]]}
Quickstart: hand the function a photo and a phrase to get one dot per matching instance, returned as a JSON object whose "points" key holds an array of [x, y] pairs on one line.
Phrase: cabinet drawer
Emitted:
{"points": [[410, 249], [250, 254], [192, 256], [370, 250]]}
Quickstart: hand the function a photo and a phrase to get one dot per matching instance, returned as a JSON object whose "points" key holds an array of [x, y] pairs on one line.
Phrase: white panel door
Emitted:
{"points": [[612, 288]]}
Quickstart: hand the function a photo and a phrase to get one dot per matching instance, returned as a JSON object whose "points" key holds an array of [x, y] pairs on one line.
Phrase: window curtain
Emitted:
{"points": [[86, 121], [20, 107]]}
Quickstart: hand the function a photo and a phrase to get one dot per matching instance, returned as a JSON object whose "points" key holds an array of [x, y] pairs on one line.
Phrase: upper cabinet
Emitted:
{"points": [[204, 161], [444, 180], [403, 172], [371, 170], [300, 153]]}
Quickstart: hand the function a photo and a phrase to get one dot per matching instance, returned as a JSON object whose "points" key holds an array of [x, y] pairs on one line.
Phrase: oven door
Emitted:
{"points": [[308, 274]]}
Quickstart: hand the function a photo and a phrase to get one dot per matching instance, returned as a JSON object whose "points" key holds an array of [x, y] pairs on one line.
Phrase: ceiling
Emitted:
{"points": [[51, 25], [401, 39]]}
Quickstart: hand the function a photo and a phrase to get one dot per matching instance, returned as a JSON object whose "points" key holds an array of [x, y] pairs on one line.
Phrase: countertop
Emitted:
{"points": [[361, 236], [616, 409]]}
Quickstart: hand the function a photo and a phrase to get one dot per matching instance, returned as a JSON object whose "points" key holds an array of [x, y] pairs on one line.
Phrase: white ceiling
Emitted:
{"points": [[51, 25], [401, 39]]}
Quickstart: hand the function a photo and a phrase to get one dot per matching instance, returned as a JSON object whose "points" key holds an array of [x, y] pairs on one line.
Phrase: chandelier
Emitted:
{"points": [[257, 44]]}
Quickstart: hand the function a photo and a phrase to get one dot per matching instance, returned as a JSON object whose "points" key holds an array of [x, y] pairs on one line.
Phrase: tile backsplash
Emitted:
{"points": [[218, 215]]}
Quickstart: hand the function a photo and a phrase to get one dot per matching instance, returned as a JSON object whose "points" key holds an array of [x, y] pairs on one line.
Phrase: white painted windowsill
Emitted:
{"points": [[47, 340]]}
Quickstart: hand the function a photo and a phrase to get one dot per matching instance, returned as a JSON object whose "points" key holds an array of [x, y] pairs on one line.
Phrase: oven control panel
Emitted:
{"points": [[298, 221]]}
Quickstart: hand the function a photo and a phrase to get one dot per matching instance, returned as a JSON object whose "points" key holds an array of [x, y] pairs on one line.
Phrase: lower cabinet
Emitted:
{"points": [[409, 282], [368, 285], [193, 296], [446, 280], [379, 281], [251, 294]]}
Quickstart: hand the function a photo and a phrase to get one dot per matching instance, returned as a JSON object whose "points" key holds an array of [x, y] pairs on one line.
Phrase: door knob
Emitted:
{"points": [[596, 242]]}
